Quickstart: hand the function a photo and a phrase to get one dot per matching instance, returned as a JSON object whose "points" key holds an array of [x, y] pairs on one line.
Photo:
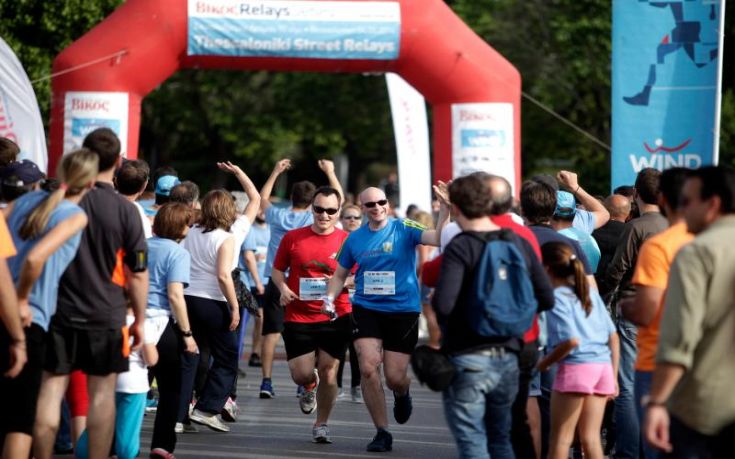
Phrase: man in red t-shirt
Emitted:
{"points": [[313, 336]]}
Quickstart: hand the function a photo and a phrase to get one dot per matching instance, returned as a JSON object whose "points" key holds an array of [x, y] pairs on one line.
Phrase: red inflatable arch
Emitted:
{"points": [[475, 92]]}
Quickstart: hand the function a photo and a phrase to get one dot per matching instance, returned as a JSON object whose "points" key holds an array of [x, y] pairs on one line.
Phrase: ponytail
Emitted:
{"points": [[562, 263], [76, 171], [580, 284]]}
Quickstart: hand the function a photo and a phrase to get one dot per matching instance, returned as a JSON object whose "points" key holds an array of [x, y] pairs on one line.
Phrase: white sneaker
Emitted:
{"points": [[341, 394], [356, 393], [307, 401], [320, 434], [230, 411], [212, 421], [185, 428]]}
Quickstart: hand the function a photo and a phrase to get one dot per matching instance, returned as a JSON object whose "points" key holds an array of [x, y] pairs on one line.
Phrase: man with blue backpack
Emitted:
{"points": [[491, 285]]}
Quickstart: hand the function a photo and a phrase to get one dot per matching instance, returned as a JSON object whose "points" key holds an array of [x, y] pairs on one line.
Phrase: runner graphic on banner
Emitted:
{"points": [[666, 58]]}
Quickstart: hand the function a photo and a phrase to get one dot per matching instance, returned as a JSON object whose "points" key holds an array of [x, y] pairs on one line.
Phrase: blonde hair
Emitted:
{"points": [[424, 218], [76, 171]]}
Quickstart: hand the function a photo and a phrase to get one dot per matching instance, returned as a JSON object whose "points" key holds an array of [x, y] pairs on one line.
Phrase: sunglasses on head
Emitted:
{"points": [[321, 210], [381, 203], [351, 217]]}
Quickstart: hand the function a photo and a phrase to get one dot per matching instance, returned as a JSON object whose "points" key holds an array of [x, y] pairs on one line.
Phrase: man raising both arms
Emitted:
{"points": [[386, 304], [313, 336]]}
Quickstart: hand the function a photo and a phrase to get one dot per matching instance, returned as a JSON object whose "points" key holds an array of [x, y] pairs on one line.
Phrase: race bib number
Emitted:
{"points": [[380, 283], [311, 289]]}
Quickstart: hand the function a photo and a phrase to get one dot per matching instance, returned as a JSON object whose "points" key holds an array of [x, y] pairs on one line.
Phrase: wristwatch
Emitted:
{"points": [[187, 333]]}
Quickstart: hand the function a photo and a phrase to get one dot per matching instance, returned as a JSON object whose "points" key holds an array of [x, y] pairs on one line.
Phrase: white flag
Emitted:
{"points": [[20, 118], [411, 131]]}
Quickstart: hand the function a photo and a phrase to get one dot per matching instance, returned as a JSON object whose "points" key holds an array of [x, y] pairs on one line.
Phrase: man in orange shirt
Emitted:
{"points": [[13, 334], [650, 278]]}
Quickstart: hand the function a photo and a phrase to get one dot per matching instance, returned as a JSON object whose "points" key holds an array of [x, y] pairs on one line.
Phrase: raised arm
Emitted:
{"points": [[433, 237], [265, 192], [251, 210], [570, 181], [327, 166]]}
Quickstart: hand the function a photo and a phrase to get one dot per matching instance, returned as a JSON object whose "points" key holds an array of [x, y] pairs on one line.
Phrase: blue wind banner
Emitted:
{"points": [[666, 66]]}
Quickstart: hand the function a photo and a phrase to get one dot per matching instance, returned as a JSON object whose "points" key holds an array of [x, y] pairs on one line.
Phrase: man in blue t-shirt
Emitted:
{"points": [[282, 220], [386, 304]]}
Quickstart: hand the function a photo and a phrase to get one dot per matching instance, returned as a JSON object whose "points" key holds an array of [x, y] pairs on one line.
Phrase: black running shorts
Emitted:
{"points": [[330, 337], [399, 331]]}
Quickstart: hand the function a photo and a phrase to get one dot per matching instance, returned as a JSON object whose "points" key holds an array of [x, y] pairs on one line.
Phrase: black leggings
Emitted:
{"points": [[168, 374], [354, 368]]}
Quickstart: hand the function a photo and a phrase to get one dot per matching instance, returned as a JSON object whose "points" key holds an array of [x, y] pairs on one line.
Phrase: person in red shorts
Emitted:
{"points": [[314, 337]]}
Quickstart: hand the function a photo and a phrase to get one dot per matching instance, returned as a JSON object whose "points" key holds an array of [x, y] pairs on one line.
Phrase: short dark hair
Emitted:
{"points": [[625, 190], [717, 181], [132, 177], [104, 142], [186, 192], [9, 151], [538, 201], [171, 220], [647, 183], [670, 184], [470, 194], [302, 193], [326, 191]]}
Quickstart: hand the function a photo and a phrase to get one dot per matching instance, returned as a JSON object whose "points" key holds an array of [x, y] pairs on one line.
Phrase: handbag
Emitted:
{"points": [[432, 367], [245, 298]]}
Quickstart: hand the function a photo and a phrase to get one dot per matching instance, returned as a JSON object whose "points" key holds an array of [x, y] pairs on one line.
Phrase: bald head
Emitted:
{"points": [[372, 194], [618, 206]]}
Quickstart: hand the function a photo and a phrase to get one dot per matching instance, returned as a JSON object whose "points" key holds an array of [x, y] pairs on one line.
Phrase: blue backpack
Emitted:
{"points": [[502, 301]]}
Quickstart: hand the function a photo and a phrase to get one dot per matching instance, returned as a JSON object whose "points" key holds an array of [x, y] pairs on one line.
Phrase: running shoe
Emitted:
{"points": [[151, 405], [185, 428], [255, 361], [266, 389], [341, 394], [402, 407], [212, 421], [299, 391], [356, 393], [230, 410], [160, 453], [307, 401], [382, 442], [320, 434]]}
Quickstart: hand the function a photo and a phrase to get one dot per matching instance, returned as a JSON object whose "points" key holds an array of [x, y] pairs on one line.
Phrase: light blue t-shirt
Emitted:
{"points": [[567, 320], [282, 220], [45, 289], [167, 262], [388, 256], [589, 245], [256, 241], [584, 220]]}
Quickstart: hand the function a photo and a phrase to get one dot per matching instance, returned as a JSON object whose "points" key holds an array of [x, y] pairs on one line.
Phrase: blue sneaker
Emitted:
{"points": [[300, 391], [266, 389]]}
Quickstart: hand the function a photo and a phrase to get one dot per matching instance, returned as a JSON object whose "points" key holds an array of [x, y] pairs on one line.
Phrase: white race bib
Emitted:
{"points": [[379, 283], [311, 288]]}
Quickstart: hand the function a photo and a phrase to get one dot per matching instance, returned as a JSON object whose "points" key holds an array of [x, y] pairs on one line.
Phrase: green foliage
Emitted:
{"points": [[561, 47]]}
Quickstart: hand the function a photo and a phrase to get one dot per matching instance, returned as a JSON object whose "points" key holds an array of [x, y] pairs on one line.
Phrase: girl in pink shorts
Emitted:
{"points": [[584, 343]]}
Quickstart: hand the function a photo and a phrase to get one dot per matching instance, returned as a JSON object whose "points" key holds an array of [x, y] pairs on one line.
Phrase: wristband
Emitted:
{"points": [[187, 333], [648, 402], [575, 191]]}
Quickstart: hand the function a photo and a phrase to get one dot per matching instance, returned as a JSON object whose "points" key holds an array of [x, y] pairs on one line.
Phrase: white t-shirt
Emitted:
{"points": [[147, 226], [203, 248], [135, 380]]}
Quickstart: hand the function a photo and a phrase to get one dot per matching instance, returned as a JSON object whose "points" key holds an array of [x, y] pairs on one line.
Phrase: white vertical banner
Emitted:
{"points": [[86, 111], [482, 139], [411, 130], [20, 118]]}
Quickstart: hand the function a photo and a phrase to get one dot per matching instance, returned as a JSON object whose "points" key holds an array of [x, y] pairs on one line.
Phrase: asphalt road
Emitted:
{"points": [[276, 428]]}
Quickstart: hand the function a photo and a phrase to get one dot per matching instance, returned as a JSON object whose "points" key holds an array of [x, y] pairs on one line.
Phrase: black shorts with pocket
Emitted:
{"points": [[20, 394], [331, 337], [272, 310], [95, 352], [399, 331]]}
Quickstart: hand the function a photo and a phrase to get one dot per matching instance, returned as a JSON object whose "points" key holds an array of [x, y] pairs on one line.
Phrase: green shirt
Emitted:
{"points": [[698, 329]]}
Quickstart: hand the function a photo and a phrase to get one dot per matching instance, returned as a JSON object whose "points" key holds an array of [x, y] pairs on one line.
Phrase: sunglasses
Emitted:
{"points": [[321, 210], [351, 217], [370, 205]]}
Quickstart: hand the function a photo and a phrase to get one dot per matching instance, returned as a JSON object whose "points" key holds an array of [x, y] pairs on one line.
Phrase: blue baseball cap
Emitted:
{"points": [[24, 170], [566, 205], [165, 183]]}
